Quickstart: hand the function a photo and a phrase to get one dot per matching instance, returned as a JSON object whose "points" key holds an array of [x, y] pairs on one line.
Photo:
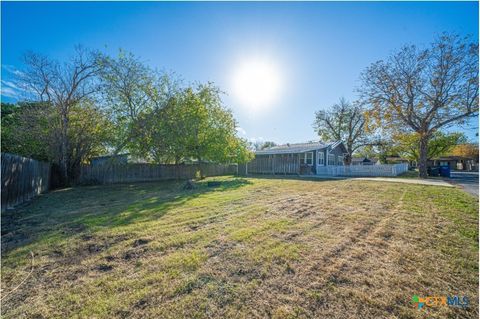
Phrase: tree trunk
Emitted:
{"points": [[347, 159], [200, 167], [422, 162]]}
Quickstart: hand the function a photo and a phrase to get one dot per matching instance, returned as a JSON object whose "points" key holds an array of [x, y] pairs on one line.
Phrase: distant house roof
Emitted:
{"points": [[110, 156], [119, 158], [397, 158], [363, 160], [297, 148], [452, 158]]}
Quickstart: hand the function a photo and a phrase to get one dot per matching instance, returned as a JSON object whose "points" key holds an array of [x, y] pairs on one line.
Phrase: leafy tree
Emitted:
{"points": [[192, 125], [6, 110], [125, 84], [424, 90], [466, 150], [8, 121], [211, 127], [90, 133], [160, 134], [407, 144], [27, 130], [345, 122], [142, 111], [130, 90], [367, 151], [32, 131], [259, 145]]}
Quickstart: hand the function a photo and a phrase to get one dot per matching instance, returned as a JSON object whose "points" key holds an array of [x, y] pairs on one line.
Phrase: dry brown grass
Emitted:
{"points": [[256, 248]]}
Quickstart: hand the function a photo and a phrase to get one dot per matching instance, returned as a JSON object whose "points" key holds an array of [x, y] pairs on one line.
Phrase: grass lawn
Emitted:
{"points": [[408, 174], [252, 248]]}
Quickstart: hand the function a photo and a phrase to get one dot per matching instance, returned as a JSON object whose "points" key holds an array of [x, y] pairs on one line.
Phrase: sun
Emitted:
{"points": [[256, 83]]}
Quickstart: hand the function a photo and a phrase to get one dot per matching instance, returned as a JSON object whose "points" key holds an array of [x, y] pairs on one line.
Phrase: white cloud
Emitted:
{"points": [[9, 88], [241, 131], [256, 139], [9, 92], [11, 69], [10, 84]]}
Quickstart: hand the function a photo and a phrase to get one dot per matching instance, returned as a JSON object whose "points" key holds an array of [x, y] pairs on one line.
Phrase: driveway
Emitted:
{"points": [[467, 180], [430, 182]]}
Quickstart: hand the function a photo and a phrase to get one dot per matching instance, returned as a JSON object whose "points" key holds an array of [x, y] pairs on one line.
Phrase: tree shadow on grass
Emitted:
{"points": [[69, 212]]}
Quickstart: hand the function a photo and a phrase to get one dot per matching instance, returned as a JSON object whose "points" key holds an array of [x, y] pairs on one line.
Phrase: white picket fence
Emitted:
{"points": [[381, 170]]}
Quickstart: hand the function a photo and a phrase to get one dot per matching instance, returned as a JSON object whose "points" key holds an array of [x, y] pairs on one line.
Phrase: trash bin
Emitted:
{"points": [[445, 171]]}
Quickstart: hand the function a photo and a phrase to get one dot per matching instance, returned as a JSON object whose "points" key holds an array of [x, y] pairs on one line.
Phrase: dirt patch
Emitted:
{"points": [[140, 242], [110, 258], [103, 267]]}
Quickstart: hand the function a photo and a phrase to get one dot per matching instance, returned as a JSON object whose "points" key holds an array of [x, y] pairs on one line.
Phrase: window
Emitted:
{"points": [[331, 159], [321, 158], [309, 158], [444, 164], [306, 158], [340, 160]]}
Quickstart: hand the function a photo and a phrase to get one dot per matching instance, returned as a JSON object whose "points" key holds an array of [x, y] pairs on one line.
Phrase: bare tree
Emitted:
{"points": [[63, 86], [345, 122], [423, 90]]}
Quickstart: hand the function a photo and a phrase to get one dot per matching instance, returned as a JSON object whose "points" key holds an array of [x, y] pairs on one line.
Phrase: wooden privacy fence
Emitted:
{"points": [[279, 164], [384, 170], [22, 179], [126, 173]]}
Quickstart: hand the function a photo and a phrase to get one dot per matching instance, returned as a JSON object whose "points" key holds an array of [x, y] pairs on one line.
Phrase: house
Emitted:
{"points": [[364, 161], [398, 159], [110, 159], [300, 158], [125, 158], [455, 162]]}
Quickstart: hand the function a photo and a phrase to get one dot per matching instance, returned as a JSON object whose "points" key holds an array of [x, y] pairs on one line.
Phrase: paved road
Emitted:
{"points": [[467, 180]]}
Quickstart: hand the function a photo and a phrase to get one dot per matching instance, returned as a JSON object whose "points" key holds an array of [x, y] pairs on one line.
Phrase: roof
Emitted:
{"points": [[364, 160], [396, 158], [110, 156], [452, 158], [297, 148]]}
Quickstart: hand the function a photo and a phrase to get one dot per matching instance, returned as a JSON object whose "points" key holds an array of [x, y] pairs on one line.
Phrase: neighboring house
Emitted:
{"points": [[118, 159], [301, 157], [364, 161], [455, 162], [110, 159], [398, 159]]}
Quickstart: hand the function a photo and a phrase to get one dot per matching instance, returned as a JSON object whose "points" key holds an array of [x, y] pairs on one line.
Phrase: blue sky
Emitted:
{"points": [[319, 48]]}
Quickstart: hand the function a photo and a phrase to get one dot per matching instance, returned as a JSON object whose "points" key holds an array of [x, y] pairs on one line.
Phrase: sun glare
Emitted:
{"points": [[256, 84]]}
